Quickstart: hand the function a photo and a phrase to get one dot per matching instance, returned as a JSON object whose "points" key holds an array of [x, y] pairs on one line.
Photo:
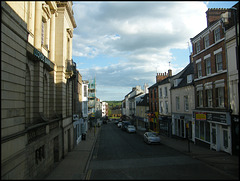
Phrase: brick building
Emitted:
{"points": [[211, 114]]}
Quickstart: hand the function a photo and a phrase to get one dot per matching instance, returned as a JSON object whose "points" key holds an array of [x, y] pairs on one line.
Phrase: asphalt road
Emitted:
{"points": [[119, 155]]}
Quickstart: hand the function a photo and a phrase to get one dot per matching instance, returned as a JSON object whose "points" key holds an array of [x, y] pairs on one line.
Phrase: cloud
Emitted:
{"points": [[141, 34]]}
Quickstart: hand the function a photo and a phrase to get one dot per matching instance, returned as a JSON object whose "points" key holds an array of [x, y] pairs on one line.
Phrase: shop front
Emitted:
{"points": [[213, 129], [182, 125], [165, 123], [153, 122]]}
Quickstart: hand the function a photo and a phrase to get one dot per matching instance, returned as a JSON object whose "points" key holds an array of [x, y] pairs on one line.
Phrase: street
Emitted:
{"points": [[120, 155]]}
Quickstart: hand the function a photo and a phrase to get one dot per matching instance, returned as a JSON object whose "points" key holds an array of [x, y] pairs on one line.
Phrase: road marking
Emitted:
{"points": [[88, 174]]}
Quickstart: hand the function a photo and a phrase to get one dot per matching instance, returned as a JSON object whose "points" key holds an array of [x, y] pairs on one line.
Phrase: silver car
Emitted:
{"points": [[151, 138]]}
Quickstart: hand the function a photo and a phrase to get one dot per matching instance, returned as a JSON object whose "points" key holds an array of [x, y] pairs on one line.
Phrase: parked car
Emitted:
{"points": [[151, 138], [116, 121], [125, 125], [131, 129], [119, 124]]}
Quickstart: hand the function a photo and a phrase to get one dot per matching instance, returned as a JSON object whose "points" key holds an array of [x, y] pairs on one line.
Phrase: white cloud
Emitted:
{"points": [[141, 34]]}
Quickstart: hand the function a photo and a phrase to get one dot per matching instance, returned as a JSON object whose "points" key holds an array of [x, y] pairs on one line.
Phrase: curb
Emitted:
{"points": [[90, 156]]}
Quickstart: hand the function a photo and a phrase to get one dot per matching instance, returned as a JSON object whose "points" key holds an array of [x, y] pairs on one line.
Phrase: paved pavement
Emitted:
{"points": [[75, 164]]}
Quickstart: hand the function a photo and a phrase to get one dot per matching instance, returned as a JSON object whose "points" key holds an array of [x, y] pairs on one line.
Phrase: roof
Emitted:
{"points": [[143, 101], [189, 69]]}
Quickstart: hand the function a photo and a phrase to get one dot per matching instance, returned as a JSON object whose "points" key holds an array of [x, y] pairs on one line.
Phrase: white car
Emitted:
{"points": [[131, 129], [119, 124], [151, 137]]}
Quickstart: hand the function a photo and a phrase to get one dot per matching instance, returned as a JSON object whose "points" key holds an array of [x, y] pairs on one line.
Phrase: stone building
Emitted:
{"points": [[232, 55], [36, 102]]}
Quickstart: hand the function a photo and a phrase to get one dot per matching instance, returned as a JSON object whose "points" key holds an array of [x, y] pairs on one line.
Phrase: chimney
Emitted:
{"points": [[169, 72], [214, 14]]}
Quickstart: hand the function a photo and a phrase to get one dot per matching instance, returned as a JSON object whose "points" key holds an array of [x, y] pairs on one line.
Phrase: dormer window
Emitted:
{"points": [[189, 78]]}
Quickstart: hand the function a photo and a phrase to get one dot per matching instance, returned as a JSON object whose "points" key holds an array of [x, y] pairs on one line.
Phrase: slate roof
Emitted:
{"points": [[143, 101], [189, 69]]}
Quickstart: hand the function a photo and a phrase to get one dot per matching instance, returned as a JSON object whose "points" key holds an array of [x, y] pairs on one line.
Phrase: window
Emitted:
{"points": [[198, 47], [220, 96], [200, 98], [161, 106], [166, 93], [202, 130], [160, 92], [43, 30], [197, 129], [189, 78], [209, 97], [217, 34], [219, 62], [199, 69], [177, 103], [85, 91], [166, 106], [186, 106], [155, 92], [208, 66], [206, 41]]}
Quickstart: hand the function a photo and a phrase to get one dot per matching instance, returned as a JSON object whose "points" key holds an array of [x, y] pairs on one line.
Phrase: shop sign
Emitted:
{"points": [[221, 118], [201, 116], [44, 59]]}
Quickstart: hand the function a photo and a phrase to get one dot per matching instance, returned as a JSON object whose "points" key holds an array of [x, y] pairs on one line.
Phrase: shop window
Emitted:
{"points": [[207, 133], [202, 130], [197, 129]]}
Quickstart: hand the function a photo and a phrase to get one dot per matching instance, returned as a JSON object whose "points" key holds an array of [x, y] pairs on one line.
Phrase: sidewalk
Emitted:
{"points": [[75, 163], [220, 160]]}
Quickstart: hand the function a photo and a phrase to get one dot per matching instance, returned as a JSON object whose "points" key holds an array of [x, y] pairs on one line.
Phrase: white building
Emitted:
{"points": [[104, 109]]}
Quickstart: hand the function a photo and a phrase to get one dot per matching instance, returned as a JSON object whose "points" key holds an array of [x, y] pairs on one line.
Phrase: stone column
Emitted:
{"points": [[52, 36], [38, 25]]}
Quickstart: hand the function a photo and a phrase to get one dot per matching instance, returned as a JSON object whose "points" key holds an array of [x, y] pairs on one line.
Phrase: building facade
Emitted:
{"points": [[211, 114], [37, 86], [183, 104], [232, 55], [142, 108]]}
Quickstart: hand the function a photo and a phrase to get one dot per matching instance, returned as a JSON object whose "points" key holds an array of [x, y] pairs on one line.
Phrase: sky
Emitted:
{"points": [[124, 44]]}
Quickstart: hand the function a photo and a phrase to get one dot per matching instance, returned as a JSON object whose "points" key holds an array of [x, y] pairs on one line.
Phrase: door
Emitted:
{"points": [[213, 136], [225, 142], [56, 149]]}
